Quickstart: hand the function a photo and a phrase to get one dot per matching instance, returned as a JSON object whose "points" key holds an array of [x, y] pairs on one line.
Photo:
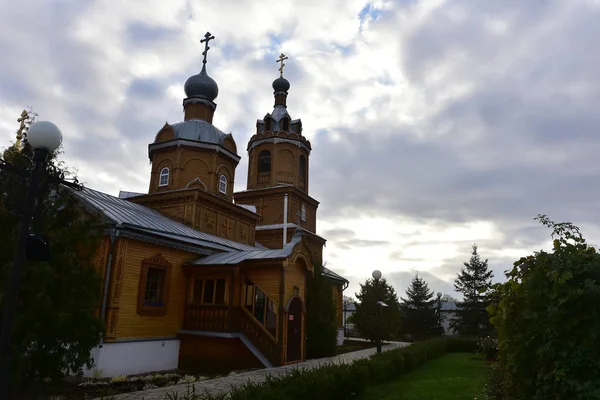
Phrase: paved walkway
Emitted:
{"points": [[227, 383]]}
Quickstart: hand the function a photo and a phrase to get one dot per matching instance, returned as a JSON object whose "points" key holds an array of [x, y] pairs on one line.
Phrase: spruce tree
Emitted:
{"points": [[474, 282], [419, 311], [373, 320], [55, 325], [321, 318]]}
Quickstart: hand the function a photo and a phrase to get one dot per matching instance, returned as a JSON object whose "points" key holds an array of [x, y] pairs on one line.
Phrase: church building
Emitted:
{"points": [[197, 276]]}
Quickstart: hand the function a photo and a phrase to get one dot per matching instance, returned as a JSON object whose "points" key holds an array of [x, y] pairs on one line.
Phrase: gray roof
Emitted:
{"points": [[236, 257], [202, 131], [147, 220], [448, 306], [332, 275]]}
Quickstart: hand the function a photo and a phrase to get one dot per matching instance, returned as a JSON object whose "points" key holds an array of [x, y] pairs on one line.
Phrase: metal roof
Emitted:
{"points": [[330, 274], [146, 219]]}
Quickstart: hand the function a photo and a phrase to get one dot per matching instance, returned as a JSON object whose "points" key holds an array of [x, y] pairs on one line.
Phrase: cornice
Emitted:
{"points": [[192, 144], [275, 190], [162, 242], [277, 139]]}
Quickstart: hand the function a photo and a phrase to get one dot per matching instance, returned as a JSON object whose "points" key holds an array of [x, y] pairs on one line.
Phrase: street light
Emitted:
{"points": [[378, 335], [439, 301], [44, 137]]}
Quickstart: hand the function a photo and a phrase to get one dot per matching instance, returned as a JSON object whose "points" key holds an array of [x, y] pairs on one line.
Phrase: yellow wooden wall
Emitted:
{"points": [[338, 301], [124, 291], [267, 279], [295, 275]]}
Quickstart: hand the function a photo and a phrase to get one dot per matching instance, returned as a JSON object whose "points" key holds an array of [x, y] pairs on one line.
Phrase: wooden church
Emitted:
{"points": [[198, 276]]}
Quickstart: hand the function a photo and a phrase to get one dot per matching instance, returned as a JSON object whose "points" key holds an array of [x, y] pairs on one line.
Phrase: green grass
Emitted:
{"points": [[453, 376]]}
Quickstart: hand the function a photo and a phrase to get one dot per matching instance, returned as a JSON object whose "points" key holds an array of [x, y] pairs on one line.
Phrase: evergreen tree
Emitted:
{"points": [[474, 282], [419, 311], [55, 323], [373, 320], [321, 318]]}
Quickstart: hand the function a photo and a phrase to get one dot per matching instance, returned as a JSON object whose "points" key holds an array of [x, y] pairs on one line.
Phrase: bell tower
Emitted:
{"points": [[278, 174]]}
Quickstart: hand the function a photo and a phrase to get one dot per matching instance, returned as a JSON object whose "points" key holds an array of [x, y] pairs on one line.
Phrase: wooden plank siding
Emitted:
{"points": [[125, 283], [295, 275], [337, 300]]}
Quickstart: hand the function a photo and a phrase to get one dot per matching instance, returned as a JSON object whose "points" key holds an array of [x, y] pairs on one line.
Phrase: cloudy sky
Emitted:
{"points": [[434, 124]]}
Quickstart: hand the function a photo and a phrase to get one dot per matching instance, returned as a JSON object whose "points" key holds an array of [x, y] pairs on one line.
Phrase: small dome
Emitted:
{"points": [[199, 130], [202, 86], [281, 84]]}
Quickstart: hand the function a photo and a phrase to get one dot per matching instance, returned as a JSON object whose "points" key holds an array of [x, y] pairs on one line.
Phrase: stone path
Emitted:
{"points": [[227, 383]]}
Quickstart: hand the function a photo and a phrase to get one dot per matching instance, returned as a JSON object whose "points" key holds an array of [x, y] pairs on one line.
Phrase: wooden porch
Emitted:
{"points": [[230, 319]]}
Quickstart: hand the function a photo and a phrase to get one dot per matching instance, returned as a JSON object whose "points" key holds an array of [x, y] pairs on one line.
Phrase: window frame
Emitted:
{"points": [[214, 295], [145, 308], [268, 303], [223, 182], [164, 172], [263, 155]]}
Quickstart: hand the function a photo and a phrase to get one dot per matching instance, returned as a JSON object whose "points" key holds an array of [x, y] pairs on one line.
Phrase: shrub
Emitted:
{"points": [[461, 344], [488, 348]]}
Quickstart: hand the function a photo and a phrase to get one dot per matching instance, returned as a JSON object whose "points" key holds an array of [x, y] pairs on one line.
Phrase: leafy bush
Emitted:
{"points": [[488, 347], [497, 384], [548, 321], [461, 344]]}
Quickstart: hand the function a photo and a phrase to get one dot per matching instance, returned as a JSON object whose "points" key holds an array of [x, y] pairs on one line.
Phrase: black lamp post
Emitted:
{"points": [[378, 335], [44, 137]]}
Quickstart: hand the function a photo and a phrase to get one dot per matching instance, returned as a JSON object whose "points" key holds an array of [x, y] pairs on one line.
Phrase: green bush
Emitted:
{"points": [[462, 344], [488, 348], [343, 381], [548, 320]]}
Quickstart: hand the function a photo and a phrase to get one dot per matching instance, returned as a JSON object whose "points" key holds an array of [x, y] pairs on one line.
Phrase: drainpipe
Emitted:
{"points": [[285, 216], [113, 242]]}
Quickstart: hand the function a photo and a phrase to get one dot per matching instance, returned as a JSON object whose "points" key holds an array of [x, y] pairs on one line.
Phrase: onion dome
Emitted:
{"points": [[281, 84], [202, 86]]}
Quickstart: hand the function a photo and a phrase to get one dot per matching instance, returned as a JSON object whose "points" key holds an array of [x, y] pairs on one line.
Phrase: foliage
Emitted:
{"points": [[321, 316], [473, 281], [55, 326], [373, 320], [419, 311], [488, 347], [548, 321], [496, 383]]}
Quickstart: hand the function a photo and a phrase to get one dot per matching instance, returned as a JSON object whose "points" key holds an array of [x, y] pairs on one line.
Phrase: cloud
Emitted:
{"points": [[434, 124]]}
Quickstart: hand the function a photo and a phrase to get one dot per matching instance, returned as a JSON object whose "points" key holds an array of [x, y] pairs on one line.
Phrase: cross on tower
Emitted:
{"points": [[207, 37], [281, 58]]}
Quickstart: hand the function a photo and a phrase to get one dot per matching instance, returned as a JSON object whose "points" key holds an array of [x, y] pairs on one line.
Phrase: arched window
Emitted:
{"points": [[267, 123], [302, 169], [285, 124], [264, 161], [164, 177], [303, 213], [223, 184]]}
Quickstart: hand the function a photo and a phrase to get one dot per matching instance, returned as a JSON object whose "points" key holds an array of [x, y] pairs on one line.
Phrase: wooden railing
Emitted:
{"points": [[207, 318], [258, 335]]}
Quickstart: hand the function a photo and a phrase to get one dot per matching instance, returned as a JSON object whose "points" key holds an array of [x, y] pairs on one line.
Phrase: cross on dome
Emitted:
{"points": [[207, 37], [281, 59]]}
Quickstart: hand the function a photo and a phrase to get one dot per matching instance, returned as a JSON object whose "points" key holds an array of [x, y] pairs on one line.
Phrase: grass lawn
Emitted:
{"points": [[453, 376]]}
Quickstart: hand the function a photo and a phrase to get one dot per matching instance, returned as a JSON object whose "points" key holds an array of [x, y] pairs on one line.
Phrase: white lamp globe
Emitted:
{"points": [[376, 274], [439, 294], [44, 135]]}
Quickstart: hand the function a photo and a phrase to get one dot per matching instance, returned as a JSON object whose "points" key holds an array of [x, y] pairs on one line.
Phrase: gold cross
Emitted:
{"points": [[281, 58], [209, 221], [227, 227], [207, 37]]}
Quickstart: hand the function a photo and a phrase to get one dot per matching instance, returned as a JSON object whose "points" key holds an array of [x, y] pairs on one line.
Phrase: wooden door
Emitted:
{"points": [[294, 331]]}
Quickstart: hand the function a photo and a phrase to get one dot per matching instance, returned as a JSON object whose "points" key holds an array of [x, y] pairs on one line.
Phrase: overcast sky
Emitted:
{"points": [[434, 124]]}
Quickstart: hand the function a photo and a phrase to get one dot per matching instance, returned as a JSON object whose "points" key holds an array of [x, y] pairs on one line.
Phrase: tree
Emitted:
{"points": [[55, 324], [419, 311], [473, 282], [373, 320], [321, 318], [548, 319]]}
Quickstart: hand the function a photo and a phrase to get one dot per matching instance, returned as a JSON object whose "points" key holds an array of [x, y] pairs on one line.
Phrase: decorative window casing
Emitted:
{"points": [[264, 161], [163, 179], [154, 286], [223, 184], [303, 212], [210, 291], [261, 307]]}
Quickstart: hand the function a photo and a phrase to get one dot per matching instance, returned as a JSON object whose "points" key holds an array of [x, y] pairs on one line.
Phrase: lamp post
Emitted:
{"points": [[439, 309], [378, 334], [44, 137]]}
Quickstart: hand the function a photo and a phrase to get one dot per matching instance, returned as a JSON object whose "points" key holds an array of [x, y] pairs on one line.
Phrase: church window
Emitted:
{"points": [[267, 124], [164, 177], [271, 319], [223, 184], [209, 291], [303, 212], [302, 169], [261, 307], [154, 284], [264, 161], [260, 300], [285, 124]]}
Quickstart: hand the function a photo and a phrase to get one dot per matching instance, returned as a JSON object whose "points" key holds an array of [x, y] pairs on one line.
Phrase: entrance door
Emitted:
{"points": [[294, 331]]}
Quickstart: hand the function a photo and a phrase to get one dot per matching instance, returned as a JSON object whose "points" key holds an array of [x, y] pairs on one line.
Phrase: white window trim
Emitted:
{"points": [[164, 173], [223, 182], [303, 212]]}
